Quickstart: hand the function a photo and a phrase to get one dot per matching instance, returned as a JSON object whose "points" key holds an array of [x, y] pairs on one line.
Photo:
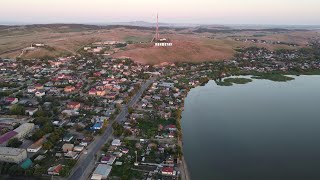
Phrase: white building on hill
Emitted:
{"points": [[163, 44]]}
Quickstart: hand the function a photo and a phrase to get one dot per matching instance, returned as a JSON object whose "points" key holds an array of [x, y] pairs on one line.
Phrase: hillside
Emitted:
{"points": [[193, 44]]}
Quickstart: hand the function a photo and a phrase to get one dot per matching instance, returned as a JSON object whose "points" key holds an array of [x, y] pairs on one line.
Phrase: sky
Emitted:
{"points": [[264, 12]]}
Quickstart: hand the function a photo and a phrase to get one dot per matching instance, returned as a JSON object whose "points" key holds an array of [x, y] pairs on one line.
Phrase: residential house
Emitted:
{"points": [[11, 100], [67, 138], [31, 89], [165, 115], [171, 127], [116, 142], [97, 126], [168, 171], [74, 105], [71, 154], [109, 159], [40, 93], [93, 92], [67, 147], [70, 112], [31, 111], [169, 160], [55, 63], [55, 170], [125, 151], [79, 85], [35, 147], [38, 86], [69, 89], [78, 148], [101, 172], [111, 95], [101, 92]]}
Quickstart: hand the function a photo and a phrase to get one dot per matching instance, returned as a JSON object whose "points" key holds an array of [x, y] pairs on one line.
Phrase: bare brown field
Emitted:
{"points": [[301, 38], [12, 42], [189, 46], [181, 51]]}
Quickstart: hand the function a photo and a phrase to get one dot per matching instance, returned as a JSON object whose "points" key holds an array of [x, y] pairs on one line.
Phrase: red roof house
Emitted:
{"points": [[11, 100], [92, 91], [55, 170], [74, 105], [167, 171], [69, 88]]}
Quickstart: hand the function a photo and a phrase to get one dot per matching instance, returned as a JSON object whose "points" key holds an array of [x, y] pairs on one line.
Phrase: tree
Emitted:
{"points": [[65, 171], [29, 172], [70, 162], [79, 128], [47, 145], [37, 135], [127, 132], [118, 106], [39, 171], [17, 110], [41, 120], [54, 137], [5, 168], [15, 170], [118, 129], [41, 113], [14, 143], [130, 110], [48, 128]]}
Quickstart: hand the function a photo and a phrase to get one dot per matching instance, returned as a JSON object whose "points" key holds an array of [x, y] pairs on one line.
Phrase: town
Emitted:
{"points": [[93, 116]]}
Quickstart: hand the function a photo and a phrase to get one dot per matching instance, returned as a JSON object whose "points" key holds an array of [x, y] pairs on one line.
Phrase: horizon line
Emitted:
{"points": [[175, 23]]}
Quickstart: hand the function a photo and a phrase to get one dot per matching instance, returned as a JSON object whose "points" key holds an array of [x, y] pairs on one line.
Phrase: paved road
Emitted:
{"points": [[86, 162]]}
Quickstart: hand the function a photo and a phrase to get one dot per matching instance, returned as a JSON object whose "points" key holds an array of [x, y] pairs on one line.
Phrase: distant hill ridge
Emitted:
{"points": [[141, 25]]}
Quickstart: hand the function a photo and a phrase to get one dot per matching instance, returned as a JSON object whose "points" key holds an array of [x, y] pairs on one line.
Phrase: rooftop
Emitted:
{"points": [[37, 144], [73, 103], [26, 164], [23, 127], [7, 136], [167, 169], [103, 170], [7, 151]]}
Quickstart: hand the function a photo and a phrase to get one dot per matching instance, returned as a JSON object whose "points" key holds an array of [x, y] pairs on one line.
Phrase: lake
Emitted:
{"points": [[263, 130]]}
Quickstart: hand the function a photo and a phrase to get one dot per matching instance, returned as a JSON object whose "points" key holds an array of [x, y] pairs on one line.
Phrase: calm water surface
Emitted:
{"points": [[263, 130]]}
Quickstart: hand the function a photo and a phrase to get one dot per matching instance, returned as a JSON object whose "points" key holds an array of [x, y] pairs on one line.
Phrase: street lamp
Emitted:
{"points": [[136, 163]]}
